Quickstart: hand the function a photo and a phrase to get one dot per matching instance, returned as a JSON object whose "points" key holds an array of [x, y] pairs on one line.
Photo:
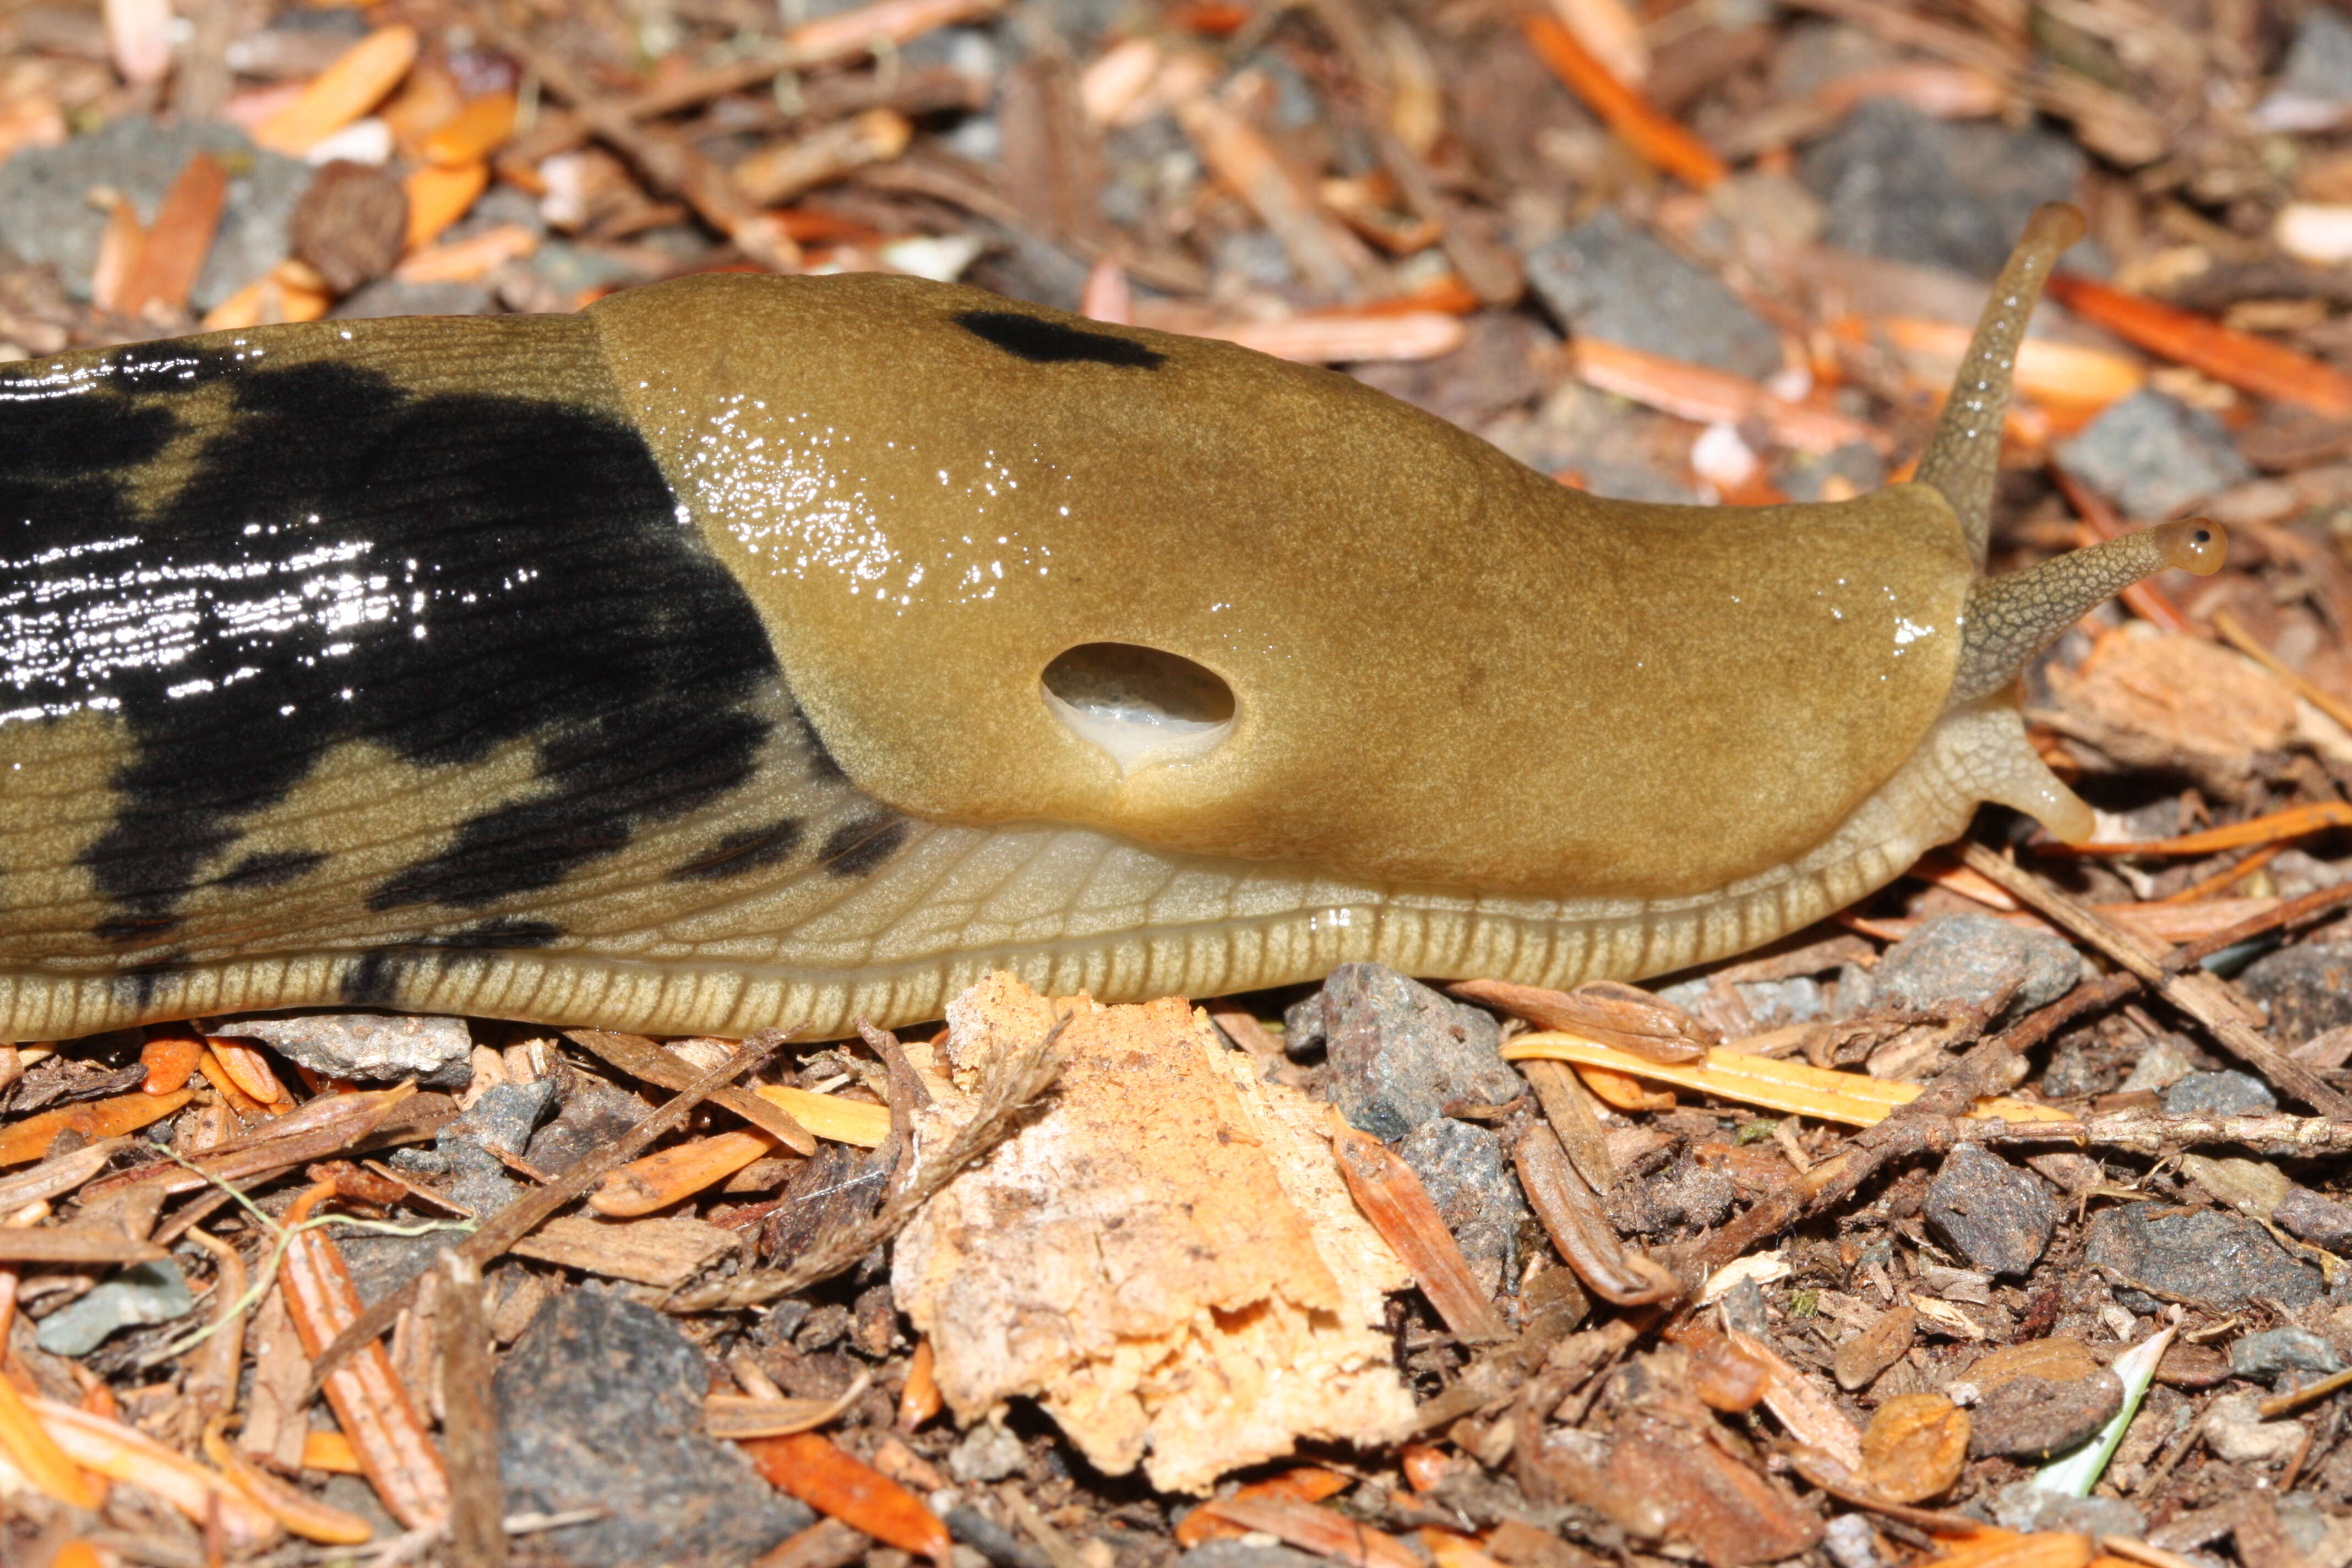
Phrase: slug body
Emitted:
{"points": [[752, 650]]}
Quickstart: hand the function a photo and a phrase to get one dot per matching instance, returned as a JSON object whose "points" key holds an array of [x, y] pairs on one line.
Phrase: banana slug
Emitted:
{"points": [[746, 650]]}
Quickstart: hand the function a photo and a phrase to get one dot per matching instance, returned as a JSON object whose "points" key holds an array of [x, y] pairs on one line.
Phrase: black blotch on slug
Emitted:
{"points": [[506, 931], [373, 979], [1051, 342], [344, 559], [859, 849], [747, 850], [141, 987], [274, 869]]}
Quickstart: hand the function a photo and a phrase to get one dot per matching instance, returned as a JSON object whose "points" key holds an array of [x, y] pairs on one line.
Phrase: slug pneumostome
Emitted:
{"points": [[747, 651]]}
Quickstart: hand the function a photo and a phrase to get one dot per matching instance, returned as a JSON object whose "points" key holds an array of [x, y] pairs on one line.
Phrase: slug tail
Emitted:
{"points": [[2010, 619], [1961, 455]]}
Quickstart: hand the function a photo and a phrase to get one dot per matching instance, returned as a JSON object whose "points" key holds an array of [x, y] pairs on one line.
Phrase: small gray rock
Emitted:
{"points": [[600, 1406], [2163, 1064], [505, 1115], [1970, 958], [2225, 1093], [141, 1293], [1470, 1181], [1996, 1215], [2274, 1351], [2224, 1260], [2153, 455], [2023, 1507], [1398, 1051], [985, 1453], [2307, 988], [373, 1047], [45, 191], [1607, 279], [1899, 183], [1230, 1553], [2314, 91], [2035, 1418], [1851, 1543]]}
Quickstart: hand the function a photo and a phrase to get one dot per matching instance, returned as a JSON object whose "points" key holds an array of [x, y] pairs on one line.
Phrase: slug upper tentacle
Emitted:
{"points": [[1964, 453], [749, 650]]}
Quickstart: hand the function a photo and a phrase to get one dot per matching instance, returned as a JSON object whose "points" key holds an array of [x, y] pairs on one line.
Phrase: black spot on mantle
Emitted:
{"points": [[747, 850], [1051, 342], [344, 559], [859, 849]]}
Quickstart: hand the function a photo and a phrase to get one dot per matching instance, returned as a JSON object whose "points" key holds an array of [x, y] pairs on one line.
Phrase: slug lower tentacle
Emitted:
{"points": [[751, 650]]}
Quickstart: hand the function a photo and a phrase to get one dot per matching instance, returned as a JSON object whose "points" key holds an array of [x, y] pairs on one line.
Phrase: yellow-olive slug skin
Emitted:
{"points": [[756, 651]]}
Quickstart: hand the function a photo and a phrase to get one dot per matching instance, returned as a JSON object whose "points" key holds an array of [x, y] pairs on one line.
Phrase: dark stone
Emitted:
{"points": [[2274, 1351], [600, 1405], [505, 1115], [1398, 1051], [1605, 279], [1469, 1179], [594, 1113], [1898, 184], [2033, 1418], [2225, 1093], [2222, 1260], [1993, 1213], [2307, 988], [2154, 455], [45, 191], [2322, 1222], [1971, 958]]}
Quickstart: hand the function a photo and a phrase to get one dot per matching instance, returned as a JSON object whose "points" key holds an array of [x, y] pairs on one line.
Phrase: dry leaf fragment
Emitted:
{"points": [[170, 1060], [1206, 1295], [666, 1252], [179, 239], [1803, 1406], [816, 1470], [2176, 702], [1914, 1447], [1709, 1499]]}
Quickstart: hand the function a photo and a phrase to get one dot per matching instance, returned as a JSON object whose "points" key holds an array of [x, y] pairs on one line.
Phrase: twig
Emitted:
{"points": [[1013, 1084], [2194, 992], [523, 1216]]}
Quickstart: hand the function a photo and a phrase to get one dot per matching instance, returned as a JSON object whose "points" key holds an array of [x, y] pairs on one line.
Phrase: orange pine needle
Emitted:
{"points": [[119, 248], [817, 1470], [104, 1445], [920, 1399], [341, 93], [439, 196], [474, 132], [465, 261], [1313, 1528], [1308, 1484], [331, 1452], [2239, 359], [2273, 828], [1393, 1197], [1709, 396], [659, 1179], [170, 1060], [370, 1402], [28, 1444], [111, 1118], [1658, 139], [249, 1071], [299, 1512], [1622, 1091]]}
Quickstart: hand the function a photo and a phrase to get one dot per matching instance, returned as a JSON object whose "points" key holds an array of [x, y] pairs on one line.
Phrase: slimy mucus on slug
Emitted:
{"points": [[755, 649]]}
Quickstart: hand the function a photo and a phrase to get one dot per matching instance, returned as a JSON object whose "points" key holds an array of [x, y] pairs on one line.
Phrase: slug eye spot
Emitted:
{"points": [[1050, 342], [1141, 705]]}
